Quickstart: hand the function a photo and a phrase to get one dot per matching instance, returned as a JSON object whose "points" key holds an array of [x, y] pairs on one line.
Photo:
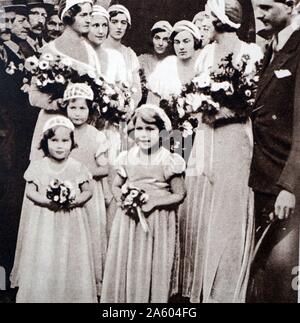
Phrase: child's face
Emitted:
{"points": [[146, 135], [60, 145], [78, 112]]}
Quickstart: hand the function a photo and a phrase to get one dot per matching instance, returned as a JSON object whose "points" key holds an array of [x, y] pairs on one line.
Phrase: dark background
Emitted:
{"points": [[146, 12]]}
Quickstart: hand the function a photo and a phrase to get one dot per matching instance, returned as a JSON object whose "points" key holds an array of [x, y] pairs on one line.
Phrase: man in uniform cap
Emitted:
{"points": [[37, 15]]}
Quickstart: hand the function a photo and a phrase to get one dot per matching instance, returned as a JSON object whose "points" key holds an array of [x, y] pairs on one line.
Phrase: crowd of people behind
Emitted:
{"points": [[217, 220]]}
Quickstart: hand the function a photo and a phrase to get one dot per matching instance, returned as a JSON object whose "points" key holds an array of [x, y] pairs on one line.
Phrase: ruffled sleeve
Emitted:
{"points": [[102, 144], [121, 162], [33, 172], [175, 166]]}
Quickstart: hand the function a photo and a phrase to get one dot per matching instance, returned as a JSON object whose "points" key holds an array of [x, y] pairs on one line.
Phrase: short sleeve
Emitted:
{"points": [[102, 144], [120, 164], [176, 166], [33, 172]]}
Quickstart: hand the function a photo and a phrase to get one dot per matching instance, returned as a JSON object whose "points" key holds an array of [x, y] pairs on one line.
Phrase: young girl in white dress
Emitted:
{"points": [[139, 264], [53, 262], [91, 151]]}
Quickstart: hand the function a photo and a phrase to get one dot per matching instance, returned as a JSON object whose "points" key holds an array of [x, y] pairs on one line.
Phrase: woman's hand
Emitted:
{"points": [[52, 206], [149, 206]]}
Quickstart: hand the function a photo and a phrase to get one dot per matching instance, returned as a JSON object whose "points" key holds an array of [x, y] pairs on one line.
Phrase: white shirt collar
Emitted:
{"points": [[284, 35]]}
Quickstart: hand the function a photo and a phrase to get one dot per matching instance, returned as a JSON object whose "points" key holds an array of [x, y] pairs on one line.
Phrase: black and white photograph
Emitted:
{"points": [[149, 151]]}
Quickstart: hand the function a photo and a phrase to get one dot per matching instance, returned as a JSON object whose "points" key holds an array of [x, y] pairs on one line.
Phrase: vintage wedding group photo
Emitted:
{"points": [[149, 151]]}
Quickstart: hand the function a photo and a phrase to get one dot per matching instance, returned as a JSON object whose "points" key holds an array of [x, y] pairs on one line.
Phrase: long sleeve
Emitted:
{"points": [[291, 172]]}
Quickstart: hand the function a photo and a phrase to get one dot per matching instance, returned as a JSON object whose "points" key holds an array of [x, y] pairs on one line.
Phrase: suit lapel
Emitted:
{"points": [[280, 58]]}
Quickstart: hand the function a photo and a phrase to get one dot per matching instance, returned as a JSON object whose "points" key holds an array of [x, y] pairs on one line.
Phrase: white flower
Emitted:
{"points": [[202, 81], [194, 100], [66, 62], [99, 82], [134, 193], [105, 109], [92, 75], [225, 86], [256, 78], [181, 112], [106, 99], [31, 63], [11, 68], [44, 65], [60, 79], [187, 129], [54, 183], [248, 93], [48, 57], [180, 103]]}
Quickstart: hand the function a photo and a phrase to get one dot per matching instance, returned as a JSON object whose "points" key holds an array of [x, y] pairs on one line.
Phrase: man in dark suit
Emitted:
{"points": [[276, 162]]}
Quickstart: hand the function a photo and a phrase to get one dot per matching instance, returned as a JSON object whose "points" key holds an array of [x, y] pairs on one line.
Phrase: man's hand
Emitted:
{"points": [[285, 205]]}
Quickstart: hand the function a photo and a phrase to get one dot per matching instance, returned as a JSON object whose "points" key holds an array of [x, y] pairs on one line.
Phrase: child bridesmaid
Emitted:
{"points": [[54, 260], [92, 152], [139, 263]]}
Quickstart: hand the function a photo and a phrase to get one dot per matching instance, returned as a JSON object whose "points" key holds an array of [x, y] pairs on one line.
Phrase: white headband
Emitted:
{"points": [[160, 112], [78, 91], [58, 121], [120, 8], [164, 25], [185, 25], [219, 9], [72, 3], [100, 11]]}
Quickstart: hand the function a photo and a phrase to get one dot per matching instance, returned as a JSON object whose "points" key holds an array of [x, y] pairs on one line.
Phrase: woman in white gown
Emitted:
{"points": [[76, 16], [114, 71], [160, 37], [119, 23], [72, 46], [177, 70], [216, 219]]}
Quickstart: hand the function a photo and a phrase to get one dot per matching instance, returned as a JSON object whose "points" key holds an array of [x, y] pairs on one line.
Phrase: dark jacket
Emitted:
{"points": [[276, 122]]}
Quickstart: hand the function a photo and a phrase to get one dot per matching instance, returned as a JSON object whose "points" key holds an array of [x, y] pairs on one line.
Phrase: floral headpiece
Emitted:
{"points": [[58, 121]]}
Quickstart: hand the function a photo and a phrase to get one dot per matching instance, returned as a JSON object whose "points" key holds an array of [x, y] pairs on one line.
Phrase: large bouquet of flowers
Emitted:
{"points": [[52, 74], [61, 193], [49, 73], [228, 92]]}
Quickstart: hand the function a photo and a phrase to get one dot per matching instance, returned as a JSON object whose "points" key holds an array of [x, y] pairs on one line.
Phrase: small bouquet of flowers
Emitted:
{"points": [[229, 92], [61, 193], [132, 200]]}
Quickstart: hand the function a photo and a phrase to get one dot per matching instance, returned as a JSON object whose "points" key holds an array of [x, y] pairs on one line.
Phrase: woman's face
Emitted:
{"points": [[184, 45], [83, 19], [206, 29], [118, 26], [161, 42], [98, 30]]}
